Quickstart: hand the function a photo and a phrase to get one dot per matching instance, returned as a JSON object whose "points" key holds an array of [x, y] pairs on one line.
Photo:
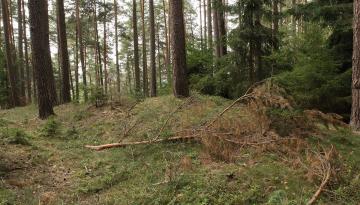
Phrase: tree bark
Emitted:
{"points": [[39, 21], [144, 54], [209, 27], [201, 27], [216, 29], [177, 33], [27, 64], [10, 64], [64, 57], [222, 29], [81, 44], [136, 48], [167, 46], [117, 48], [355, 111], [105, 53], [21, 52], [153, 91]]}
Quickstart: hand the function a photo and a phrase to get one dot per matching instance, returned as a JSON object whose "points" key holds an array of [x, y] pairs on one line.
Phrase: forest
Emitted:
{"points": [[115, 102]]}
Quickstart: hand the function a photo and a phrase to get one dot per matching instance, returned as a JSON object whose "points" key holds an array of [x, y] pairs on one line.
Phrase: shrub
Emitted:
{"points": [[51, 128]]}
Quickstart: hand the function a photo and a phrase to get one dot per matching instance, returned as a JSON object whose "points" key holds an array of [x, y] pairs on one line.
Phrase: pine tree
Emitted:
{"points": [[39, 21], [177, 33], [355, 112]]}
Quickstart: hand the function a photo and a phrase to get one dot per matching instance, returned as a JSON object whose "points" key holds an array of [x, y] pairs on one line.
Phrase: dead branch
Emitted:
{"points": [[326, 168], [171, 115], [172, 139], [260, 143]]}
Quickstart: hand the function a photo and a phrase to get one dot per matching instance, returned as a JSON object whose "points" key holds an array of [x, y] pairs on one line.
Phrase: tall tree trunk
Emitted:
{"points": [[21, 52], [201, 27], [177, 33], [275, 24], [222, 29], [216, 29], [117, 48], [77, 90], [205, 25], [105, 53], [64, 57], [136, 48], [144, 54], [167, 46], [10, 64], [81, 44], [98, 53], [355, 111], [209, 21], [27, 66], [39, 28], [153, 91], [158, 55]]}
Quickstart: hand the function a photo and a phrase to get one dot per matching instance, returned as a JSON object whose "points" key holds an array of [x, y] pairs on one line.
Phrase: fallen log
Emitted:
{"points": [[113, 145]]}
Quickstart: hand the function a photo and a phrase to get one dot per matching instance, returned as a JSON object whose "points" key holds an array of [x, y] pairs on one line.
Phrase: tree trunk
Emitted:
{"points": [[205, 25], [222, 29], [77, 90], [136, 48], [153, 91], [209, 21], [275, 24], [167, 47], [39, 21], [21, 52], [105, 53], [10, 64], [216, 29], [117, 48], [355, 112], [144, 54], [201, 27], [64, 57], [177, 33], [158, 54], [81, 44], [27, 66], [98, 53]]}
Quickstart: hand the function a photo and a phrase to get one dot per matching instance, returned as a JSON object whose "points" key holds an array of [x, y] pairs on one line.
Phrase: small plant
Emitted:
{"points": [[15, 136], [71, 133], [98, 97], [51, 128]]}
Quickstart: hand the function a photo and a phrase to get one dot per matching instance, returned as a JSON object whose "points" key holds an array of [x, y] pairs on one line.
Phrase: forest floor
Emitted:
{"points": [[46, 162]]}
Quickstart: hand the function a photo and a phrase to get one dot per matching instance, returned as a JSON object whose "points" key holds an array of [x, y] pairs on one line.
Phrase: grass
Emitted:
{"points": [[60, 170]]}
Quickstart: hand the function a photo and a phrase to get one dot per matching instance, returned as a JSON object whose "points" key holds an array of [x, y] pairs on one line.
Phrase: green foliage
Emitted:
{"points": [[51, 128], [14, 136], [7, 197], [97, 96], [283, 121], [4, 95], [311, 73]]}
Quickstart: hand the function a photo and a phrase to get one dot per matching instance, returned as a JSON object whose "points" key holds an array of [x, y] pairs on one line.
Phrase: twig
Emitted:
{"points": [[171, 114], [326, 177], [108, 146]]}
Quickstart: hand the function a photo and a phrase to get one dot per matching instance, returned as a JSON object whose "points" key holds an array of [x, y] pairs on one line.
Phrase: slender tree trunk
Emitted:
{"points": [[216, 29], [355, 112], [27, 66], [201, 27], [117, 48], [77, 90], [177, 33], [275, 24], [158, 55], [21, 52], [222, 29], [10, 64], [136, 48], [98, 52], [39, 22], [205, 25], [167, 46], [209, 21], [153, 91], [81, 44], [144, 54], [64, 57], [105, 53]]}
